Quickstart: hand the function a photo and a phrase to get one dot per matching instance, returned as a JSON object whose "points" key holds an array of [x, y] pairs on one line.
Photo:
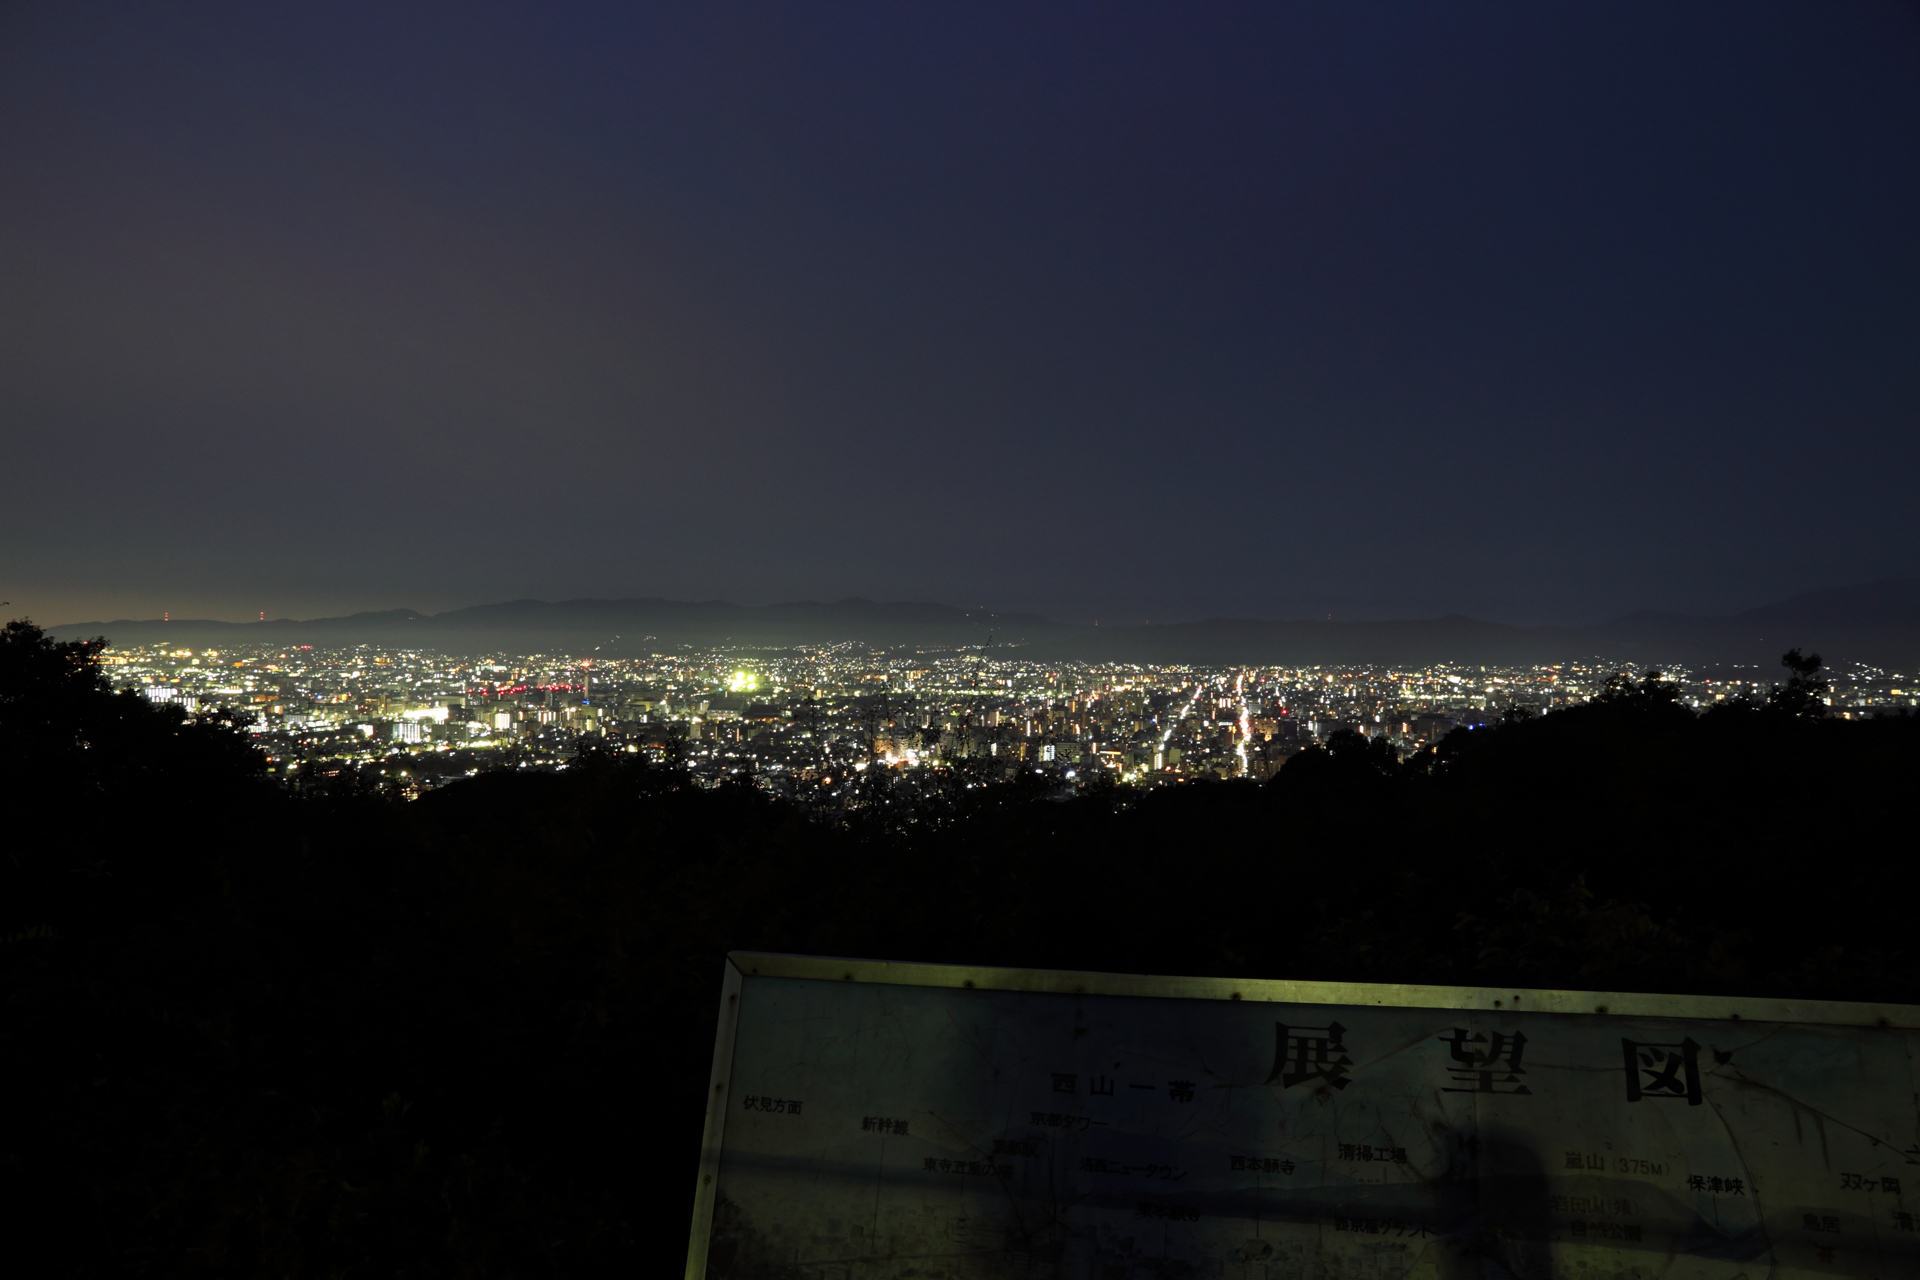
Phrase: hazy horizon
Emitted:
{"points": [[1115, 619]]}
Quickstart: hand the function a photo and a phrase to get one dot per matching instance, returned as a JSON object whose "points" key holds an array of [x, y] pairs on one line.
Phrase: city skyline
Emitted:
{"points": [[823, 725]]}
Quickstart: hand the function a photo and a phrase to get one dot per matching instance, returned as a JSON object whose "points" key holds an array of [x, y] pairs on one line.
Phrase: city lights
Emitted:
{"points": [[794, 720]]}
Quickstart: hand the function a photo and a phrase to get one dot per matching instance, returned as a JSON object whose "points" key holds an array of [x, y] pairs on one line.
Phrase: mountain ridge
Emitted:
{"points": [[1877, 623]]}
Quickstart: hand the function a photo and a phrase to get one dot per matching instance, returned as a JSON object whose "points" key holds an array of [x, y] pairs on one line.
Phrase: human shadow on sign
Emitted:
{"points": [[1510, 1210]]}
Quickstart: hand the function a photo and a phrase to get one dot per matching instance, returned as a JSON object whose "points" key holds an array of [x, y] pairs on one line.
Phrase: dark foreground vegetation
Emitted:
{"points": [[254, 1031]]}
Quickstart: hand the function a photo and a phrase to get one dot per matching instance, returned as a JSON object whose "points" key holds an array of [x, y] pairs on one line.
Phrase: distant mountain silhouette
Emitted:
{"points": [[1876, 623], [616, 627]]}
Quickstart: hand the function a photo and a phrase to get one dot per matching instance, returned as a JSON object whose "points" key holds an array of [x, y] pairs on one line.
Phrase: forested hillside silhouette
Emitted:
{"points": [[254, 1029]]}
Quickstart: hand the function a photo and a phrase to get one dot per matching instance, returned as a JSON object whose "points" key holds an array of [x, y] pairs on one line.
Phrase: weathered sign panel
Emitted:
{"points": [[877, 1120]]}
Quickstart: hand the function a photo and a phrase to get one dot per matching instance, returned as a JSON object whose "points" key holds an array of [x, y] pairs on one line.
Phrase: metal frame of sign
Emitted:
{"points": [[745, 964]]}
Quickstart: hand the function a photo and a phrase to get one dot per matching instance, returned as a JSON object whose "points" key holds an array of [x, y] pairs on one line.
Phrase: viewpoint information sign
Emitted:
{"points": [[873, 1120]]}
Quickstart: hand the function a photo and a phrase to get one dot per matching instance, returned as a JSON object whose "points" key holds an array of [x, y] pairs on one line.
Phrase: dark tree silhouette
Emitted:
{"points": [[1652, 691], [312, 1031], [1805, 692], [1346, 759]]}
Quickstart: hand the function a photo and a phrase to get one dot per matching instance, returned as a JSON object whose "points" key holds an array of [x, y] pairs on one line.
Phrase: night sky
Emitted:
{"points": [[1543, 313]]}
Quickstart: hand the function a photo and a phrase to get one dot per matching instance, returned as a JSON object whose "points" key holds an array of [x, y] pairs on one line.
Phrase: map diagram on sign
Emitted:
{"points": [[912, 1127]]}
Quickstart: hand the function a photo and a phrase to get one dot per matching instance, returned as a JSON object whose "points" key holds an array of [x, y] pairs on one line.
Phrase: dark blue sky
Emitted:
{"points": [[1539, 312]]}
